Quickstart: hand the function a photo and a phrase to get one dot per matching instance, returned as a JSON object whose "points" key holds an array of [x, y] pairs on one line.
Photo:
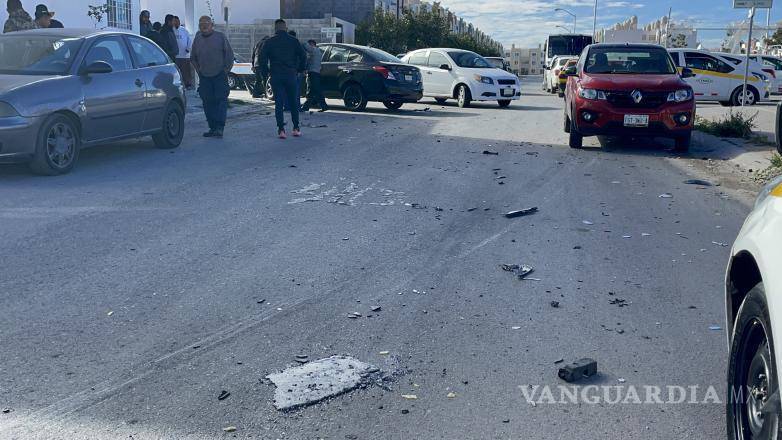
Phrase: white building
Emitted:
{"points": [[123, 14], [525, 61], [658, 32]]}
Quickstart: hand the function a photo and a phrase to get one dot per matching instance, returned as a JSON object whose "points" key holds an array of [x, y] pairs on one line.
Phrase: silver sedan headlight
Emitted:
{"points": [[774, 187], [7, 110]]}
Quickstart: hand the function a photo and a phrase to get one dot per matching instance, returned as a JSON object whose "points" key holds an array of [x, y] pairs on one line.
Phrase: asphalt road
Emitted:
{"points": [[140, 286]]}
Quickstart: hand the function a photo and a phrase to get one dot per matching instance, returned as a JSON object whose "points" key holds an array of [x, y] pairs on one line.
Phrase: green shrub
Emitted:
{"points": [[734, 125]]}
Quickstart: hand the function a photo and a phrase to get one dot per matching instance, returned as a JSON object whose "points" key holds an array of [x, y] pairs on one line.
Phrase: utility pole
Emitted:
{"points": [[668, 28], [768, 25], [749, 49], [594, 25]]}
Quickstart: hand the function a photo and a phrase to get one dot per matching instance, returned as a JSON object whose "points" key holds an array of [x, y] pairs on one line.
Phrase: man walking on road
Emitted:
{"points": [[18, 18], [212, 57], [314, 91], [283, 57], [184, 42], [259, 89]]}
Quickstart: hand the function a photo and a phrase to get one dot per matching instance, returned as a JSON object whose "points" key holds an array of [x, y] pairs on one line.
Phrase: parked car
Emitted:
{"points": [[551, 73], [774, 66], [563, 76], [753, 301], [359, 74], [65, 89], [628, 89], [720, 79], [464, 76], [241, 75], [499, 63]]}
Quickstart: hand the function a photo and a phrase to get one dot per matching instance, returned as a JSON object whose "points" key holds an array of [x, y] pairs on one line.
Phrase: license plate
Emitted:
{"points": [[506, 92], [409, 78], [636, 120]]}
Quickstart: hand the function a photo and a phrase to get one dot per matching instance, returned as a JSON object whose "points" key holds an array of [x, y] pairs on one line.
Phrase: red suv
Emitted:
{"points": [[628, 90]]}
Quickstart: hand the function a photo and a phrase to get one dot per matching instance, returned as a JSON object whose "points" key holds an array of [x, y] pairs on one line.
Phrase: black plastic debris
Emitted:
{"points": [[522, 212], [578, 370], [223, 395], [698, 182], [555, 304], [491, 153], [376, 308]]}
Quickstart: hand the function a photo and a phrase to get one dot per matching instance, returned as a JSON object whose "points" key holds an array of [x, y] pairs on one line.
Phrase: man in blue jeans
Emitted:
{"points": [[212, 57], [283, 57]]}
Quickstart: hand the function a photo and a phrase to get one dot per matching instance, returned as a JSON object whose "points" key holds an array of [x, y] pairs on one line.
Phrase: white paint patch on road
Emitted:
{"points": [[318, 380], [347, 195]]}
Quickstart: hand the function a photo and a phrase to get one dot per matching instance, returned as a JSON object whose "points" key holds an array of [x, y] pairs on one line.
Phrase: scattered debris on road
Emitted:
{"points": [[7, 410], [578, 370], [451, 395], [310, 383], [555, 304], [491, 153], [665, 196], [229, 429], [383, 353], [223, 395], [720, 244], [587, 222], [715, 327], [302, 358], [376, 308], [520, 270], [522, 212], [409, 396]]}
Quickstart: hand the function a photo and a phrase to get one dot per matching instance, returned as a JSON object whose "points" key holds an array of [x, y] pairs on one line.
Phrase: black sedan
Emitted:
{"points": [[359, 74]]}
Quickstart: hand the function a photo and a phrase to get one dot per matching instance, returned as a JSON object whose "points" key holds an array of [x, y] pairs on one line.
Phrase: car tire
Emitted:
{"points": [[173, 128], [56, 147], [735, 97], [463, 96], [354, 98], [682, 143], [269, 90], [233, 81], [441, 101], [393, 105], [576, 139], [504, 103], [752, 372]]}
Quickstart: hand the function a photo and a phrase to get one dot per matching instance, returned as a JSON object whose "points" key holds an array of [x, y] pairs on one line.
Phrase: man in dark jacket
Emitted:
{"points": [[259, 89], [144, 24], [18, 18], [283, 57], [168, 38]]}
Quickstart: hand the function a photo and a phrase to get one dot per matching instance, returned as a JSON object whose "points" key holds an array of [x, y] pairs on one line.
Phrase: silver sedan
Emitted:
{"points": [[65, 89]]}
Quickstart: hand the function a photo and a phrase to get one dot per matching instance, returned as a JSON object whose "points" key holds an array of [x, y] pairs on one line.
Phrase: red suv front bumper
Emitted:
{"points": [[608, 119]]}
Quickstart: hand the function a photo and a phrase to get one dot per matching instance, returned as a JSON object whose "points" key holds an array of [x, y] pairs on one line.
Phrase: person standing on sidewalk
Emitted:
{"points": [[184, 42], [283, 57], [144, 24], [18, 18], [259, 89], [212, 57], [168, 40], [314, 91]]}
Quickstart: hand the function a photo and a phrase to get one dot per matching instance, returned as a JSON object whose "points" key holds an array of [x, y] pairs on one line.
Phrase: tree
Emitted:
{"points": [[776, 39], [414, 31], [96, 13]]}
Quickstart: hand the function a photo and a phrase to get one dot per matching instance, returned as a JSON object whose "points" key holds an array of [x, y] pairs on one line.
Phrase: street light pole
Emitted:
{"points": [[594, 24], [575, 23], [746, 66]]}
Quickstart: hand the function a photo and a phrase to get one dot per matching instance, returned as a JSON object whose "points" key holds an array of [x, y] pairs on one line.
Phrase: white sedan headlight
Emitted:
{"points": [[774, 187], [7, 110], [484, 79], [680, 95]]}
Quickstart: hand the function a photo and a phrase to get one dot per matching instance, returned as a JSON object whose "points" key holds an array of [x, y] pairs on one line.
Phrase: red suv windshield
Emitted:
{"points": [[629, 60]]}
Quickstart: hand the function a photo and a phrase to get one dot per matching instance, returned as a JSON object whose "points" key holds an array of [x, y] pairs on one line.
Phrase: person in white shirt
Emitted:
{"points": [[184, 42]]}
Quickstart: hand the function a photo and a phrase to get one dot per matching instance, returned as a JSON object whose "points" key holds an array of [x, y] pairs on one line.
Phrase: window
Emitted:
{"points": [[119, 15], [418, 58], [355, 57], [337, 54], [437, 59], [775, 63], [623, 60], [110, 50], [702, 61], [147, 54], [469, 60]]}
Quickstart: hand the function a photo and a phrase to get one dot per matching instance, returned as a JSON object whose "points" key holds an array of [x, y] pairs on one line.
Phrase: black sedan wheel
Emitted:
{"points": [[57, 146], [173, 129], [233, 81], [269, 90], [354, 98], [393, 105], [753, 405]]}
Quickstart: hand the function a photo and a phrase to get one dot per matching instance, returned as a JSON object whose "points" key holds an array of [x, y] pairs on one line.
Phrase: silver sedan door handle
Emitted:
{"points": [[139, 83]]}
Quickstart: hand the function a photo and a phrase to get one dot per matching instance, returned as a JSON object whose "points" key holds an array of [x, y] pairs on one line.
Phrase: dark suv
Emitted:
{"points": [[359, 74]]}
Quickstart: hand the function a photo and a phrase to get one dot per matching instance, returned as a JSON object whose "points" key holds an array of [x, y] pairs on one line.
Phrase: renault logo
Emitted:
{"points": [[637, 96]]}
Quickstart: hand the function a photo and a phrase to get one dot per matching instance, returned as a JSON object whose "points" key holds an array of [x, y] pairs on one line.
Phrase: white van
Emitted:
{"points": [[719, 79], [464, 76]]}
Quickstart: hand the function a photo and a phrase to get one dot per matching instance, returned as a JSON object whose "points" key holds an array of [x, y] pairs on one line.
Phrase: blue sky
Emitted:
{"points": [[527, 22]]}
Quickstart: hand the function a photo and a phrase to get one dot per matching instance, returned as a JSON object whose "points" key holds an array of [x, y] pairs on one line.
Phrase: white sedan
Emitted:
{"points": [[753, 310], [464, 76]]}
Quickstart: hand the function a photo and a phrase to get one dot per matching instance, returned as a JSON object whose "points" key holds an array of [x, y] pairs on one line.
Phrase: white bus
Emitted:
{"points": [[564, 44]]}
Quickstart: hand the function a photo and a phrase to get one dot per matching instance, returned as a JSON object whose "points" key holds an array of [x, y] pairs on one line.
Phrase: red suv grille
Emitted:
{"points": [[649, 99]]}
